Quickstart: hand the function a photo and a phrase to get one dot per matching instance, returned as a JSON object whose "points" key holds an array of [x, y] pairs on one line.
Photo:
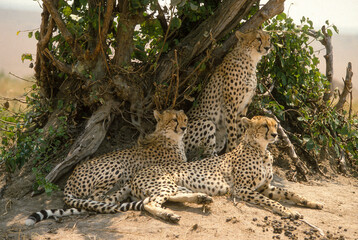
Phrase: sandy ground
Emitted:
{"points": [[224, 220]]}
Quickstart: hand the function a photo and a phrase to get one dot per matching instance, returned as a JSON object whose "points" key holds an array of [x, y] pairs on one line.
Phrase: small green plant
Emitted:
{"points": [[297, 98], [22, 140]]}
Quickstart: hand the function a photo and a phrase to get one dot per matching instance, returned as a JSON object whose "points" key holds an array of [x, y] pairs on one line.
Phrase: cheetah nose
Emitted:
{"points": [[267, 48], [274, 135], [183, 128]]}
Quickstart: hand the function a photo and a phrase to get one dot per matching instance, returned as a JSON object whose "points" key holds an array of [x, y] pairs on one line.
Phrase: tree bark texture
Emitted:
{"points": [[347, 88], [88, 142]]}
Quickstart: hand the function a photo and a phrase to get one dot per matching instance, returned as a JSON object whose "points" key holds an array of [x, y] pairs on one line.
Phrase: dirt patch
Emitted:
{"points": [[225, 220]]}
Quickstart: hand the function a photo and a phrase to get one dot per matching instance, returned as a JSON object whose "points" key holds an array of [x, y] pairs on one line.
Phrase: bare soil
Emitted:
{"points": [[222, 220]]}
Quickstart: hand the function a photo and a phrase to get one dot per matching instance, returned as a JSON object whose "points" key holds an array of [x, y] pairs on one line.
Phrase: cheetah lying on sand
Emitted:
{"points": [[245, 173], [86, 188]]}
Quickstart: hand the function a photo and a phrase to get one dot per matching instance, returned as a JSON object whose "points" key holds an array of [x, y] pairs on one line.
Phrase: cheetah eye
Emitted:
{"points": [[265, 125], [259, 39], [175, 120]]}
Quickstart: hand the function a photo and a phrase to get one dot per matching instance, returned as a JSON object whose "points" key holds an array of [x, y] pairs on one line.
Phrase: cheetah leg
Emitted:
{"points": [[99, 193], [251, 196], [118, 196], [277, 193], [240, 130], [199, 198], [201, 136], [154, 206], [231, 123]]}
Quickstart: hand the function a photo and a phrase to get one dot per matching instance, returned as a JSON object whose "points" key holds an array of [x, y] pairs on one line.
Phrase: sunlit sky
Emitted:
{"points": [[342, 13]]}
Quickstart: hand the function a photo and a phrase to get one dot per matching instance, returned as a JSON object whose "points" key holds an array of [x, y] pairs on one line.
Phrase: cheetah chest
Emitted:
{"points": [[264, 175]]}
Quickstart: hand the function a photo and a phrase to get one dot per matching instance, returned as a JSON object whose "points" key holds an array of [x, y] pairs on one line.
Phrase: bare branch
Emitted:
{"points": [[23, 79], [326, 41], [347, 89], [271, 9], [177, 79], [13, 99], [300, 166], [61, 66], [88, 143]]}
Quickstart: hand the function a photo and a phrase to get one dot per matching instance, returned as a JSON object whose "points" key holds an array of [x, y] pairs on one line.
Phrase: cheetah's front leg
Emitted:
{"points": [[200, 136], [277, 193], [231, 125], [251, 196]]}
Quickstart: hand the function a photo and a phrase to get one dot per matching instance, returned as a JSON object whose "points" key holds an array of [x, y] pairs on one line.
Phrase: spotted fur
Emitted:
{"points": [[215, 121], [245, 173], [87, 187]]}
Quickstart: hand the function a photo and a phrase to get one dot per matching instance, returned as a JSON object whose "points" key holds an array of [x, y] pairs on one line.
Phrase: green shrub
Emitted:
{"points": [[297, 98]]}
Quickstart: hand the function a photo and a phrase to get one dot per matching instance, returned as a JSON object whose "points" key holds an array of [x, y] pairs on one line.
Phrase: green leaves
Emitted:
{"points": [[299, 88], [26, 56]]}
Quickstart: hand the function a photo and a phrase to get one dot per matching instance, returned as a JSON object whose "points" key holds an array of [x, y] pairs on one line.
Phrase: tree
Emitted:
{"points": [[100, 60], [97, 58]]}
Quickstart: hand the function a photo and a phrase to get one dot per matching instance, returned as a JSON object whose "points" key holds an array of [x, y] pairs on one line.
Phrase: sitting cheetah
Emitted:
{"points": [[245, 173], [86, 188], [215, 121]]}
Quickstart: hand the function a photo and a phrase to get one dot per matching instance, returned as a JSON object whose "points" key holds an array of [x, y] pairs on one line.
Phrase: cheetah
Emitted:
{"points": [[86, 188], [245, 173], [215, 121]]}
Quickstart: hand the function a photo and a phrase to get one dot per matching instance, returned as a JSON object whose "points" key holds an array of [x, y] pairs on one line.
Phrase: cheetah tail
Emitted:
{"points": [[54, 213], [135, 206]]}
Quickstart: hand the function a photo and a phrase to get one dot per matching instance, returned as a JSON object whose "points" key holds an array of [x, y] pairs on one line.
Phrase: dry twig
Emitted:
{"points": [[297, 161], [347, 89]]}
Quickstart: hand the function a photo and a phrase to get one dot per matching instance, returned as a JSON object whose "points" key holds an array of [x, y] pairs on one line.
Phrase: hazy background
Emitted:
{"points": [[24, 15]]}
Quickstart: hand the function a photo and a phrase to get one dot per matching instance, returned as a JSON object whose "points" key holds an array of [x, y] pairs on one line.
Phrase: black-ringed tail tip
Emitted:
{"points": [[57, 213]]}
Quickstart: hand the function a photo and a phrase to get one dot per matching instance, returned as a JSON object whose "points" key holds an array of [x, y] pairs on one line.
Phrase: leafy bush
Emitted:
{"points": [[22, 139], [297, 98]]}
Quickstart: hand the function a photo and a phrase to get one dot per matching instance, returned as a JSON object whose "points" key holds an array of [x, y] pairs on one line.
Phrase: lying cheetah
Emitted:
{"points": [[245, 173], [215, 121], [86, 188]]}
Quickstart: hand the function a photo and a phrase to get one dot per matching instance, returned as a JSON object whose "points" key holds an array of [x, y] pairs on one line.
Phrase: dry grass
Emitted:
{"points": [[12, 87]]}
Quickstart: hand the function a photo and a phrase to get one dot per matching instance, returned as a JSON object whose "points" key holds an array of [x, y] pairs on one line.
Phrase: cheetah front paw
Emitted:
{"points": [[317, 205], [204, 199], [171, 217], [292, 214]]}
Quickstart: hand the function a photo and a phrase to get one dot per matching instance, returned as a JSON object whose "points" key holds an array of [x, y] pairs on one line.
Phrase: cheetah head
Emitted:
{"points": [[257, 41], [173, 123], [262, 130]]}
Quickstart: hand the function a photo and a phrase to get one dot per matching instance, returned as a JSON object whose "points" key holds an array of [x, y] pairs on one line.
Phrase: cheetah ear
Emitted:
{"points": [[157, 115], [246, 122], [239, 35]]}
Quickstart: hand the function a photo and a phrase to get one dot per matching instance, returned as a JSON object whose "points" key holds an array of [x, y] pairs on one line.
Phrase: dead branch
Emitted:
{"points": [[326, 41], [177, 79], [313, 226], [23, 79], [271, 9], [347, 89], [13, 99], [342, 162], [267, 93], [300, 166], [88, 143], [60, 65]]}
